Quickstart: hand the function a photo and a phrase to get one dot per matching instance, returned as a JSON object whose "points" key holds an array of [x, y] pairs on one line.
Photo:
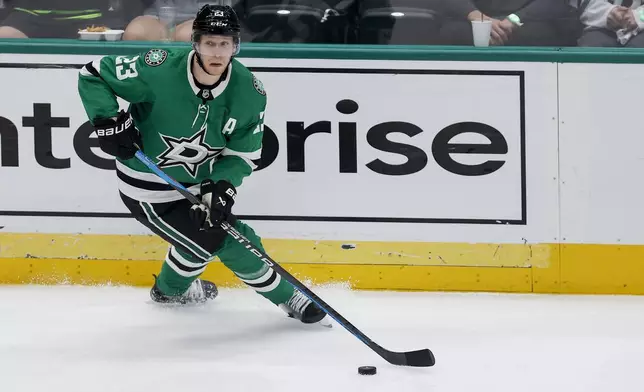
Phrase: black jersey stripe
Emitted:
{"points": [[90, 68], [265, 283], [182, 266], [147, 185]]}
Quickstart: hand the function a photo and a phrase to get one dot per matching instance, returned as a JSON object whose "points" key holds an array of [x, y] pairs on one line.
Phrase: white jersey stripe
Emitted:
{"points": [[149, 177]]}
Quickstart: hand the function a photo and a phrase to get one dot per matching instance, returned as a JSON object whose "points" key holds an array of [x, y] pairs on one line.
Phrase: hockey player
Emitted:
{"points": [[199, 114]]}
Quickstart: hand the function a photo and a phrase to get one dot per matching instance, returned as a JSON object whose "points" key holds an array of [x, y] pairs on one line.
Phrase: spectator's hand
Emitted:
{"points": [[501, 31], [617, 18], [508, 27], [629, 21]]}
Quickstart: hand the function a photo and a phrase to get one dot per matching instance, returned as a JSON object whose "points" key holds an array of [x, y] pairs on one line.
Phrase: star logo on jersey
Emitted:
{"points": [[190, 153], [155, 57], [259, 86]]}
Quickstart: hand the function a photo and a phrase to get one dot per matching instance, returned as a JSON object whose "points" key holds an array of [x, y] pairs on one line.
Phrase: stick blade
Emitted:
{"points": [[418, 358]]}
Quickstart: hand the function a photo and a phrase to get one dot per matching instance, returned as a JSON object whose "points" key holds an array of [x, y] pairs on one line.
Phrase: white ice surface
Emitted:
{"points": [[66, 339]]}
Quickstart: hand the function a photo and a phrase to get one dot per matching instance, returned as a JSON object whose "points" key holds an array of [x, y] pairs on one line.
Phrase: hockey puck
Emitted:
{"points": [[367, 370]]}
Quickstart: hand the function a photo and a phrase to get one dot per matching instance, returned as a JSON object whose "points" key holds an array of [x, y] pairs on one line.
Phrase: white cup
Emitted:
{"points": [[481, 30]]}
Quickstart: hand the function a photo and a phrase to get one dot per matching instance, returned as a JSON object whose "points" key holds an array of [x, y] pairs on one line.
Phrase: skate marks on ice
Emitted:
{"points": [[114, 339], [74, 336]]}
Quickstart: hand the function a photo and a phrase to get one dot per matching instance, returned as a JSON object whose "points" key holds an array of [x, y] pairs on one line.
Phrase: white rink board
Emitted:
{"points": [[516, 203], [602, 154], [430, 191], [74, 185]]}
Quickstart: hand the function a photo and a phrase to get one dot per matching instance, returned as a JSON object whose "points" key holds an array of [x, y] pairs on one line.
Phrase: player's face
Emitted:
{"points": [[216, 51]]}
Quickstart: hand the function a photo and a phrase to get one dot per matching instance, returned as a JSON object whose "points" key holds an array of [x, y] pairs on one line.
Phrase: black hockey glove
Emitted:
{"points": [[118, 136], [218, 199]]}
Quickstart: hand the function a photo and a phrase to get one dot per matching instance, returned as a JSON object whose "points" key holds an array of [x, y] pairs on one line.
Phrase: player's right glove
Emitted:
{"points": [[117, 136], [217, 202]]}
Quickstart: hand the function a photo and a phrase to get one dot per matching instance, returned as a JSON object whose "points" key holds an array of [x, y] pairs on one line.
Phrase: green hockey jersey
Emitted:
{"points": [[192, 132]]}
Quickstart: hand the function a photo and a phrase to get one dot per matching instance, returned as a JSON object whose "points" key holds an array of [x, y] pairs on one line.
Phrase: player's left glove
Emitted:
{"points": [[217, 202]]}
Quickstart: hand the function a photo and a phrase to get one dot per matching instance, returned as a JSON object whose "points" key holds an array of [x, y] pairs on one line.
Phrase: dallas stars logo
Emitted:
{"points": [[190, 153], [155, 57]]}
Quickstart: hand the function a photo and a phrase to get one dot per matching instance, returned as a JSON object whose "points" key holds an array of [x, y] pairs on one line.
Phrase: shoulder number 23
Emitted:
{"points": [[126, 67]]}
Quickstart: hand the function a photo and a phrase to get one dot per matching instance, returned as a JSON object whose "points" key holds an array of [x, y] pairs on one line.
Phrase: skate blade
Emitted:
{"points": [[326, 322], [176, 305]]}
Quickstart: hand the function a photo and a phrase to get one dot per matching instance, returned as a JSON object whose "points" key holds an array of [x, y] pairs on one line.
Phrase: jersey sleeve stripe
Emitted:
{"points": [[249, 157], [96, 64], [89, 70], [85, 72]]}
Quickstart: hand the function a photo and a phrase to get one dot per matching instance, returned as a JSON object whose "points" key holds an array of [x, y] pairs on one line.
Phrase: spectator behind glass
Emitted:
{"points": [[168, 20], [63, 19], [611, 23], [514, 22], [333, 24], [162, 18], [298, 21]]}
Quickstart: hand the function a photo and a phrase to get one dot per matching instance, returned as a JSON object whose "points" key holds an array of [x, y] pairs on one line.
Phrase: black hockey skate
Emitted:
{"points": [[301, 308], [199, 291]]}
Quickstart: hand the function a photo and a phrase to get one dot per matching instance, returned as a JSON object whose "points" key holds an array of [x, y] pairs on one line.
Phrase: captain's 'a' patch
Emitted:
{"points": [[155, 57], [259, 86]]}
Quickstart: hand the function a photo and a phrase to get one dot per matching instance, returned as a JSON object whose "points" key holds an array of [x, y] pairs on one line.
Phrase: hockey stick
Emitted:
{"points": [[419, 358]]}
